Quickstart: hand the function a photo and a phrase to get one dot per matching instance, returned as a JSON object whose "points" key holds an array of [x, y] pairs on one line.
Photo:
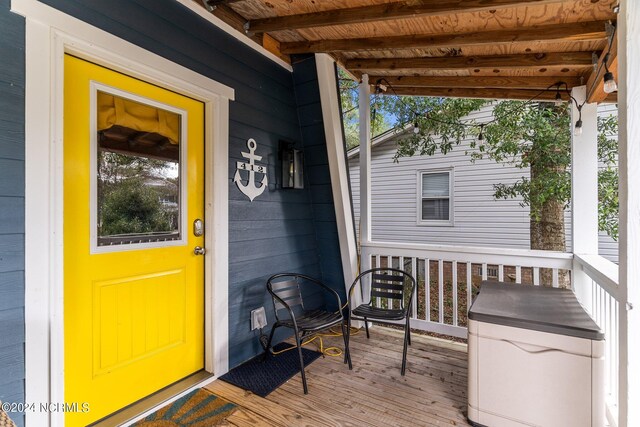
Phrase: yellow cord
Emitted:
{"points": [[327, 351]]}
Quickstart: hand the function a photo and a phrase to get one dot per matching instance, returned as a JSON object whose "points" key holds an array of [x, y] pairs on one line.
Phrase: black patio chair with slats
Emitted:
{"points": [[288, 302], [386, 295]]}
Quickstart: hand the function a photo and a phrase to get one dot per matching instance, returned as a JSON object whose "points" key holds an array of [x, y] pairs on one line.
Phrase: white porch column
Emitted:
{"points": [[629, 169], [584, 192], [365, 165], [325, 66]]}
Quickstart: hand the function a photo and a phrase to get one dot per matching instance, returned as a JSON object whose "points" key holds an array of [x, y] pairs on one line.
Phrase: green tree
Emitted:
{"points": [[133, 207], [608, 203], [130, 193]]}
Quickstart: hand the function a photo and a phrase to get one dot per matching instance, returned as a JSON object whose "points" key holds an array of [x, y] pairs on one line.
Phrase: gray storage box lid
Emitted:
{"points": [[539, 308]]}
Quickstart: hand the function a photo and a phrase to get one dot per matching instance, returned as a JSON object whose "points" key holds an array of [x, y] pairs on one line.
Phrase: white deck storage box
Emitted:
{"points": [[536, 358]]}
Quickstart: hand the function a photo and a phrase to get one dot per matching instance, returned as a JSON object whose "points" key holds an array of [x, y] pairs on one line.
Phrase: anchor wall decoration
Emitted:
{"points": [[250, 189]]}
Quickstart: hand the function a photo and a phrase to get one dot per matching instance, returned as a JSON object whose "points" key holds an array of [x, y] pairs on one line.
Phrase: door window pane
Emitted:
{"points": [[138, 172]]}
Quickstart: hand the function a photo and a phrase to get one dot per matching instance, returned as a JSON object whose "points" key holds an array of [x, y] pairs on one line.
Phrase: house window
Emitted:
{"points": [[435, 204]]}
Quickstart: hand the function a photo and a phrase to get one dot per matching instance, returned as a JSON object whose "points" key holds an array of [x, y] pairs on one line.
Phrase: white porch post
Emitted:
{"points": [[584, 189], [365, 167], [629, 169], [325, 66]]}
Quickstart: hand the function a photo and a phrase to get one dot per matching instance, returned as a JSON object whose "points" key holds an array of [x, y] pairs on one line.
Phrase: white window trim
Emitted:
{"points": [[49, 35], [437, 223]]}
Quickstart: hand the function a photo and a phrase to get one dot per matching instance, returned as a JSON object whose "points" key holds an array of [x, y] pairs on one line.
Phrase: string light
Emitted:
{"points": [[610, 84], [416, 127], [558, 100], [577, 129]]}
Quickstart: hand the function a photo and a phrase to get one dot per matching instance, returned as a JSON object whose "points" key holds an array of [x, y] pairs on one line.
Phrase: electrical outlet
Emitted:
{"points": [[258, 318]]}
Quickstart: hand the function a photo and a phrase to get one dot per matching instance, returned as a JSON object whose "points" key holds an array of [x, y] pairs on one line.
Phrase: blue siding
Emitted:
{"points": [[11, 208], [292, 230], [317, 172]]}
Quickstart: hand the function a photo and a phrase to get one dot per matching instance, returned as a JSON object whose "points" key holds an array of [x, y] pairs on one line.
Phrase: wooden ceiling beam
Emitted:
{"points": [[521, 94], [595, 83], [383, 12], [579, 31], [477, 82], [530, 60]]}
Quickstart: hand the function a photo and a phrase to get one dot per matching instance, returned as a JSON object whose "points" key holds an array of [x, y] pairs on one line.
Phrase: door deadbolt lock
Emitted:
{"points": [[198, 227], [199, 250]]}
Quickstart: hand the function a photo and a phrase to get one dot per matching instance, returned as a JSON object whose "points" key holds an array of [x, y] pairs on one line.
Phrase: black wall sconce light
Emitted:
{"points": [[292, 166]]}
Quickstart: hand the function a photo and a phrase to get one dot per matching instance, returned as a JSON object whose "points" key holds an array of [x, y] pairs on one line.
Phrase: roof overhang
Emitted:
{"points": [[495, 49]]}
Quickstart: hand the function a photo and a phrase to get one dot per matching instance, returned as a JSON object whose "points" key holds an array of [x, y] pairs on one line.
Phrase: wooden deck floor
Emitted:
{"points": [[433, 392]]}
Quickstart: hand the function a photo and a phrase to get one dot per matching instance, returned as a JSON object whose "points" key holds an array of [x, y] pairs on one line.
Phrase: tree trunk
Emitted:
{"points": [[547, 231]]}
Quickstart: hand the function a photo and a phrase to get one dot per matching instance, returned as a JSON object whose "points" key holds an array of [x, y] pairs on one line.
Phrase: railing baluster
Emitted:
{"points": [[594, 304], [484, 271], [427, 290], [501, 273], [555, 278], [469, 286], [441, 290], [536, 276], [518, 275], [615, 354], [454, 279], [390, 302], [414, 298], [609, 333]]}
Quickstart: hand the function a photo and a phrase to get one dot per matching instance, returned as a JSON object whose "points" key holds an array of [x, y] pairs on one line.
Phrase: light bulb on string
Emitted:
{"points": [[610, 84], [558, 100], [481, 134], [416, 127], [577, 130]]}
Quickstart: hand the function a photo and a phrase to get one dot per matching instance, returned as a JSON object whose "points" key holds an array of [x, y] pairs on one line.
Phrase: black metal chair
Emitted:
{"points": [[287, 298], [390, 295]]}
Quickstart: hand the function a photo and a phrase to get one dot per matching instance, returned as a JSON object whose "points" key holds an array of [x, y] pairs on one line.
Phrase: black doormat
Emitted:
{"points": [[262, 378]]}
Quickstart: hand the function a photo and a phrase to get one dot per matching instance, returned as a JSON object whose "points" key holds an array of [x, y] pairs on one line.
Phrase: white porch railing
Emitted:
{"points": [[599, 294], [447, 279], [447, 276]]}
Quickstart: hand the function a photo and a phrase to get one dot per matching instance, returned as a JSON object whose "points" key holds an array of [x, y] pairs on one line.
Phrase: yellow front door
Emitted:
{"points": [[133, 206]]}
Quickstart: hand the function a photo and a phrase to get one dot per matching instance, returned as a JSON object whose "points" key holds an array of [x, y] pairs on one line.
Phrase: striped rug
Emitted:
{"points": [[5, 421], [200, 408]]}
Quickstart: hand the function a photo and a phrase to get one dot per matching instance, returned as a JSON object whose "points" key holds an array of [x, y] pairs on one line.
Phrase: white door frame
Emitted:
{"points": [[49, 35]]}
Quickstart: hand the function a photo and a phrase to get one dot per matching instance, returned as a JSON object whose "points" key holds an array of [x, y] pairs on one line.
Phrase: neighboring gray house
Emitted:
{"points": [[446, 199]]}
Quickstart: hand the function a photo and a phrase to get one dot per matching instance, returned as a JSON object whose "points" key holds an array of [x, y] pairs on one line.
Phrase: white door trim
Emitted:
{"points": [[49, 35]]}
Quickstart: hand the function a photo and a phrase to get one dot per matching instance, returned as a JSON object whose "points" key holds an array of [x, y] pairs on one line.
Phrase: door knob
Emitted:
{"points": [[199, 250]]}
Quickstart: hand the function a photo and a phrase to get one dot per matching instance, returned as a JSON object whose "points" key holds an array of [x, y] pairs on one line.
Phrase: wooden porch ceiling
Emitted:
{"points": [[462, 48]]}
